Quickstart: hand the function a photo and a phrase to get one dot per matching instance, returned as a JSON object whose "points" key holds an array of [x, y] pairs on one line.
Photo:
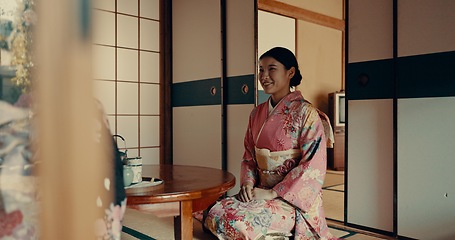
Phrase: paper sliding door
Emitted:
{"points": [[196, 92], [213, 88], [240, 78], [425, 113], [369, 90]]}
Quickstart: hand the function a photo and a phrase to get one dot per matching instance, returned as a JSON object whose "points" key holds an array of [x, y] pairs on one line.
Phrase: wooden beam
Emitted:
{"points": [[301, 14]]}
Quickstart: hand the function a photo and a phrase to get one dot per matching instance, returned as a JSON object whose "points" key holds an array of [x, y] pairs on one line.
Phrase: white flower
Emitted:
{"points": [[29, 16], [314, 174]]}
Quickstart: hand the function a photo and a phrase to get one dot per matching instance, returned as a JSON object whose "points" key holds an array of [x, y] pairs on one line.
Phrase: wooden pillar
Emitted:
{"points": [[71, 170]]}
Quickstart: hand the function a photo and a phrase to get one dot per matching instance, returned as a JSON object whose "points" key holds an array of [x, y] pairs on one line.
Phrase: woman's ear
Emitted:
{"points": [[291, 72]]}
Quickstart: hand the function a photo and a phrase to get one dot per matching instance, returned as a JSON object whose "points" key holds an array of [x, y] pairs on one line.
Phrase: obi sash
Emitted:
{"points": [[273, 166]]}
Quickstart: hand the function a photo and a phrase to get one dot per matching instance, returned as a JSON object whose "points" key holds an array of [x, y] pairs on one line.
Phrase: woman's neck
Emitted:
{"points": [[275, 99]]}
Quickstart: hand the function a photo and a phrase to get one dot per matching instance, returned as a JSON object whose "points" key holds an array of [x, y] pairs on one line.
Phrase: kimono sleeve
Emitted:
{"points": [[248, 171], [302, 184]]}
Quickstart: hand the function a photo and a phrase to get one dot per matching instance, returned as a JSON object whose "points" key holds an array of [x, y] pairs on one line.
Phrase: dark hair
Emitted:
{"points": [[287, 58]]}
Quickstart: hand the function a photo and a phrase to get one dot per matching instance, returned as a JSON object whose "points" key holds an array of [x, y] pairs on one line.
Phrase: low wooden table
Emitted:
{"points": [[186, 188]]}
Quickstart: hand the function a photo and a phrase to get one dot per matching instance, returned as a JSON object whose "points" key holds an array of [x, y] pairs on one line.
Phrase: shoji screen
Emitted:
{"points": [[196, 91], [369, 89], [425, 117], [127, 72]]}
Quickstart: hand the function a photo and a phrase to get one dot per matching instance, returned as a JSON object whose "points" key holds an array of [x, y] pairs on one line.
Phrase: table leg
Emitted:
{"points": [[183, 224]]}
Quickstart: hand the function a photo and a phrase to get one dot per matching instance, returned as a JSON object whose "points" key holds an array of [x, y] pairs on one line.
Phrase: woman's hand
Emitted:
{"points": [[245, 193], [264, 194]]}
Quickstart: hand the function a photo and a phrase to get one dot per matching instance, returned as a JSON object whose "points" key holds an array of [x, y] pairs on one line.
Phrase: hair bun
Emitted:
{"points": [[296, 79]]}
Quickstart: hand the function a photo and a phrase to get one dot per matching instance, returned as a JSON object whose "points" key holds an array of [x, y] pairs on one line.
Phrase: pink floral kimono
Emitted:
{"points": [[285, 149]]}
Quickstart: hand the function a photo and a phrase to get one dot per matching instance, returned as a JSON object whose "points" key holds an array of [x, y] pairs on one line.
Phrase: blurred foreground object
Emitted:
{"points": [[18, 193]]}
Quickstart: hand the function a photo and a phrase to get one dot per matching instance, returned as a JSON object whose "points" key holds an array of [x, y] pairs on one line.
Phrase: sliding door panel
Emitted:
{"points": [[425, 113], [196, 93], [425, 166], [240, 58], [369, 90], [197, 136], [370, 164]]}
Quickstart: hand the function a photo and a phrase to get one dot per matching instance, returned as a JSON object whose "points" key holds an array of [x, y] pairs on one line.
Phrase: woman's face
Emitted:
{"points": [[274, 77]]}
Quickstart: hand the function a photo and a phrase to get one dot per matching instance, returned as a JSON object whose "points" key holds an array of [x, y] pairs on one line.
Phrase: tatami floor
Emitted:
{"points": [[333, 195], [333, 199], [144, 226]]}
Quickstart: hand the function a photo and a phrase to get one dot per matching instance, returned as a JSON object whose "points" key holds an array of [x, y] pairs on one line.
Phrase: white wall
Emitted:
{"points": [[275, 31], [320, 56]]}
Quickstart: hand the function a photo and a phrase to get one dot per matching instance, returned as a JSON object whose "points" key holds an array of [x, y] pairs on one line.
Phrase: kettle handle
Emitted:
{"points": [[116, 135]]}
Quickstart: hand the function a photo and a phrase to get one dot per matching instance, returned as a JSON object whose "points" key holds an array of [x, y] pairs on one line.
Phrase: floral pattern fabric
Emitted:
{"points": [[114, 199], [293, 124], [19, 196], [18, 191], [233, 219]]}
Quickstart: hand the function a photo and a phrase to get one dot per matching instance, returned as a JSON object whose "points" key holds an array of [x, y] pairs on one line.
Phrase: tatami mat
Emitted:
{"points": [[339, 188], [145, 226], [138, 224], [333, 203], [333, 195], [333, 178]]}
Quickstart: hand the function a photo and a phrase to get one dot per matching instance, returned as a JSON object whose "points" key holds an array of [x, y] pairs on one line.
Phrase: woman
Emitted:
{"points": [[284, 164]]}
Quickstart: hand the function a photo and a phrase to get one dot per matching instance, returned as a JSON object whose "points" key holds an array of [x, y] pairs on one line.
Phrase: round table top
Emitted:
{"points": [[182, 183]]}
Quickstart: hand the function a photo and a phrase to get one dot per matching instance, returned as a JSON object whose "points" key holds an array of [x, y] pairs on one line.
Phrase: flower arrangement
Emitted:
{"points": [[16, 37], [21, 45]]}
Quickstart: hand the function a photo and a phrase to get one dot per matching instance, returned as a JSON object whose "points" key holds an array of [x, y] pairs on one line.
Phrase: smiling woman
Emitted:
{"points": [[284, 164], [278, 72]]}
